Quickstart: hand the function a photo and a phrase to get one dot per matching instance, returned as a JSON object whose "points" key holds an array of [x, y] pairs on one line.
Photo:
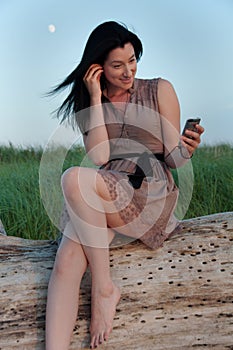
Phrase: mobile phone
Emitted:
{"points": [[190, 125]]}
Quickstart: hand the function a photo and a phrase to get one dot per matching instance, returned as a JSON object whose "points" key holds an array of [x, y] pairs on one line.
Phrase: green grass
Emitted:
{"points": [[21, 207], [22, 211], [213, 186]]}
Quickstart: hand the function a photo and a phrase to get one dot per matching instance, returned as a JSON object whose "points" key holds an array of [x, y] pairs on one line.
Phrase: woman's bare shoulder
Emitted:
{"points": [[166, 91], [168, 101], [165, 86]]}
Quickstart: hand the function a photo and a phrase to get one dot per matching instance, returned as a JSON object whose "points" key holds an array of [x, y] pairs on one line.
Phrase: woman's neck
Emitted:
{"points": [[118, 95]]}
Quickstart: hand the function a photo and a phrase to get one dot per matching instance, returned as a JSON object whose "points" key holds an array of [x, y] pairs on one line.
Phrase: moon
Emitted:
{"points": [[51, 28]]}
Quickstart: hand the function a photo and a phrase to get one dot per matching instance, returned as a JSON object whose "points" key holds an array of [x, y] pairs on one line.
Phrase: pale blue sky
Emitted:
{"points": [[189, 42]]}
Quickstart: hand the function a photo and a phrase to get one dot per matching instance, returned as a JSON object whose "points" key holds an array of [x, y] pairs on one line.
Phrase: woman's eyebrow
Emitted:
{"points": [[119, 61]]}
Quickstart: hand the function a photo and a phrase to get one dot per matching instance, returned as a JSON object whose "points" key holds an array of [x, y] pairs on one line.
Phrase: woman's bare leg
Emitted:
{"points": [[63, 293], [87, 214]]}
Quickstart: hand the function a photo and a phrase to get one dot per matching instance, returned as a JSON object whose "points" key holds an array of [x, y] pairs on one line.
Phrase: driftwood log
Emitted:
{"points": [[177, 297]]}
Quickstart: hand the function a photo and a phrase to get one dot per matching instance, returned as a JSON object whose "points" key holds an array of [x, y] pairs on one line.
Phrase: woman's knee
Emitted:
{"points": [[72, 184], [69, 181], [76, 180]]}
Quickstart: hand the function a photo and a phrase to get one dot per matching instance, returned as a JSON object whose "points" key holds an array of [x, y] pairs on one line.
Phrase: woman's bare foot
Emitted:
{"points": [[103, 309]]}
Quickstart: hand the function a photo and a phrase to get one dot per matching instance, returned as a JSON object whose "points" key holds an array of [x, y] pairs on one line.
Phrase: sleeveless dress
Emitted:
{"points": [[138, 179]]}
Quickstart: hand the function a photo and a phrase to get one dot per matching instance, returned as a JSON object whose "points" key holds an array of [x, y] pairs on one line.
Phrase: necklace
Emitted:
{"points": [[120, 103], [119, 107]]}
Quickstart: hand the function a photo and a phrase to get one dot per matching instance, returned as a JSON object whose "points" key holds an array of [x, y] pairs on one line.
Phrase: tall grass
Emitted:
{"points": [[21, 208], [22, 211], [213, 186]]}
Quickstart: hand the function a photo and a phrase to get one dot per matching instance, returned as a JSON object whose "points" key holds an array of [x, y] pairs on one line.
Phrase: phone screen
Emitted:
{"points": [[190, 125]]}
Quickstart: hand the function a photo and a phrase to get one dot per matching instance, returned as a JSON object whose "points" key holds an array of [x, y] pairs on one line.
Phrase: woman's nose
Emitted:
{"points": [[127, 71]]}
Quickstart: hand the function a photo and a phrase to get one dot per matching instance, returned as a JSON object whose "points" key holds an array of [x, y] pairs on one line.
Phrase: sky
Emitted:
{"points": [[188, 42]]}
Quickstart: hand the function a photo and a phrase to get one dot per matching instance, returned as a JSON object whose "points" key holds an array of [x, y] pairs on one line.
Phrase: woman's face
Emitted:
{"points": [[120, 67]]}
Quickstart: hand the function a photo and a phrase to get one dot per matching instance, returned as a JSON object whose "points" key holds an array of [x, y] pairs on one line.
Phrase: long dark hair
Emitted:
{"points": [[104, 38]]}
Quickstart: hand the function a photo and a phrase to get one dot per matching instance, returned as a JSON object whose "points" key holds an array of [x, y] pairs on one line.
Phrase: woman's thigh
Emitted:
{"points": [[114, 220], [91, 181]]}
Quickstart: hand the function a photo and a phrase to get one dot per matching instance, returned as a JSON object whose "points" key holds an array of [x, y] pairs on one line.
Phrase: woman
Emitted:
{"points": [[131, 130]]}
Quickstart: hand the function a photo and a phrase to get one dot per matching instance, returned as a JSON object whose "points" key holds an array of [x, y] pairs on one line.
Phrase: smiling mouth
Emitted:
{"points": [[128, 80]]}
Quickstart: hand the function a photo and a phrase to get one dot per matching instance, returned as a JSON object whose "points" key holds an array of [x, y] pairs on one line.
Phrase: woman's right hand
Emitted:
{"points": [[92, 80]]}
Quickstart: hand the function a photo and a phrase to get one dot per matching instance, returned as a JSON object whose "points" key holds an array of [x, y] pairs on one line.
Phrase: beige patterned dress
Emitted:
{"points": [[139, 181]]}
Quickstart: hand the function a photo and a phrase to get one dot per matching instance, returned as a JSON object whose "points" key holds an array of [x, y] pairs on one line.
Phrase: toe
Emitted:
{"points": [[107, 333], [96, 342], [105, 336], [101, 338], [92, 344]]}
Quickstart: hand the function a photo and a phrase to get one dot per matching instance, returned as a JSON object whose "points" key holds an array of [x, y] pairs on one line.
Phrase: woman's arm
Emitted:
{"points": [[169, 110], [96, 139], [178, 149]]}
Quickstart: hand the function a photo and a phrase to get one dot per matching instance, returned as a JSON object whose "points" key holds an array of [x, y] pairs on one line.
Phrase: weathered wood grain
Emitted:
{"points": [[177, 297]]}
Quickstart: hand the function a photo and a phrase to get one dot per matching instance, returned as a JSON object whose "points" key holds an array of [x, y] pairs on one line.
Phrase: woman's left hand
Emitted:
{"points": [[193, 139]]}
